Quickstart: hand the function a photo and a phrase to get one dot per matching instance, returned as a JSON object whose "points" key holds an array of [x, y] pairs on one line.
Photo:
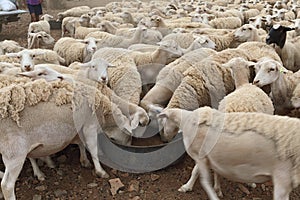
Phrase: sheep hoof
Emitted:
{"points": [[185, 188], [41, 177], [102, 174]]}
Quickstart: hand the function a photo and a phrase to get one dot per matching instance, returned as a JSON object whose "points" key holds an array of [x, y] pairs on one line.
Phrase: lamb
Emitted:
{"points": [[76, 50], [59, 99], [226, 23], [10, 46], [246, 97], [282, 82], [277, 151], [73, 12], [39, 40], [29, 57], [169, 78], [42, 25]]}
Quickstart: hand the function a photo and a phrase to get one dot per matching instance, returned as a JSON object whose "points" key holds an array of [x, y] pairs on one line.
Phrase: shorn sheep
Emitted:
{"points": [[56, 98], [212, 138], [75, 49]]}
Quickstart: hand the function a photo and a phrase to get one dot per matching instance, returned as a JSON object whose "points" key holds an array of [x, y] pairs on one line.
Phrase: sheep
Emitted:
{"points": [[76, 50], [247, 33], [277, 151], [125, 79], [128, 19], [248, 14], [42, 25], [39, 40], [69, 24], [282, 82], [62, 124], [246, 97], [10, 46], [287, 50], [169, 78], [81, 32], [29, 57], [226, 23], [159, 24], [73, 12], [109, 40]]}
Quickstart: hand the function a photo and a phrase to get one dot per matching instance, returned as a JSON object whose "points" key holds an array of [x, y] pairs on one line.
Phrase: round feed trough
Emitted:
{"points": [[140, 158]]}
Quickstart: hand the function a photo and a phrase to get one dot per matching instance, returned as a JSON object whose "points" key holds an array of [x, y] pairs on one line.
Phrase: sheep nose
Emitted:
{"points": [[27, 68], [255, 82], [103, 78]]}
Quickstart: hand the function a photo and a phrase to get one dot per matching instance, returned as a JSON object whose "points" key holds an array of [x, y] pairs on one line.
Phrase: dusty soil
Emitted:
{"points": [[71, 181]]}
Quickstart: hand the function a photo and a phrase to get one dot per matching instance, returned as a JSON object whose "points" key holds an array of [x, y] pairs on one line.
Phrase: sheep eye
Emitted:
{"points": [[18, 57], [86, 42], [250, 29], [40, 74], [272, 69], [243, 29], [33, 56]]}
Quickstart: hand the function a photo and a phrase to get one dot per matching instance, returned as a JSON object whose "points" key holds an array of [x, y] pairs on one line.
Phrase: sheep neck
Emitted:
{"points": [[281, 90], [111, 28], [159, 56], [240, 78], [137, 37]]}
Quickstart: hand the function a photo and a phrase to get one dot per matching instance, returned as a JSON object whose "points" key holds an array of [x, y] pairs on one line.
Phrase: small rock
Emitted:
{"points": [[62, 159], [134, 186], [142, 191], [243, 189], [121, 191], [56, 183], [41, 188], [37, 197], [263, 187], [92, 185], [154, 177], [59, 193], [125, 175], [115, 185], [60, 172], [136, 198]]}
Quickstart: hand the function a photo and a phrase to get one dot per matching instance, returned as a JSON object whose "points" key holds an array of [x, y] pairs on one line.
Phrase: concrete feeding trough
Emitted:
{"points": [[55, 25], [140, 158]]}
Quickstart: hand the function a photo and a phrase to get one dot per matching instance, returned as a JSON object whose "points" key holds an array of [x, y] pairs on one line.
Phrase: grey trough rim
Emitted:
{"points": [[116, 157]]}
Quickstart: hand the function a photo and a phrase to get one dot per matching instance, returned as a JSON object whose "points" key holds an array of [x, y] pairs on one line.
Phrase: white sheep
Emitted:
{"points": [[81, 32], [73, 12], [246, 97], [215, 139], [247, 33], [42, 25], [46, 100], [226, 23], [109, 40], [39, 40], [69, 24], [169, 78], [10, 46], [29, 57], [76, 50], [282, 82]]}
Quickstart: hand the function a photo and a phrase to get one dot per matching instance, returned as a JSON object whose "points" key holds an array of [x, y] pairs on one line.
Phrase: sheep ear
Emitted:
{"points": [[154, 110], [134, 121], [251, 64], [162, 115], [29, 74], [12, 55]]}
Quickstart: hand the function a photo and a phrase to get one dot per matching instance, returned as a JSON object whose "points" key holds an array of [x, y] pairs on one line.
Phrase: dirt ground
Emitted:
{"points": [[71, 181]]}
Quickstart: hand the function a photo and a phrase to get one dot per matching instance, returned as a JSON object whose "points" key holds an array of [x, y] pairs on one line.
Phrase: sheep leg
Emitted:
{"points": [[217, 185], [84, 161], [189, 185], [282, 182], [13, 167], [90, 134], [36, 170], [48, 161], [205, 179]]}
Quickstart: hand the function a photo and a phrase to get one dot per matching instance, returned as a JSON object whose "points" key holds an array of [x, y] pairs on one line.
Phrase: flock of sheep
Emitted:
{"points": [[222, 72]]}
